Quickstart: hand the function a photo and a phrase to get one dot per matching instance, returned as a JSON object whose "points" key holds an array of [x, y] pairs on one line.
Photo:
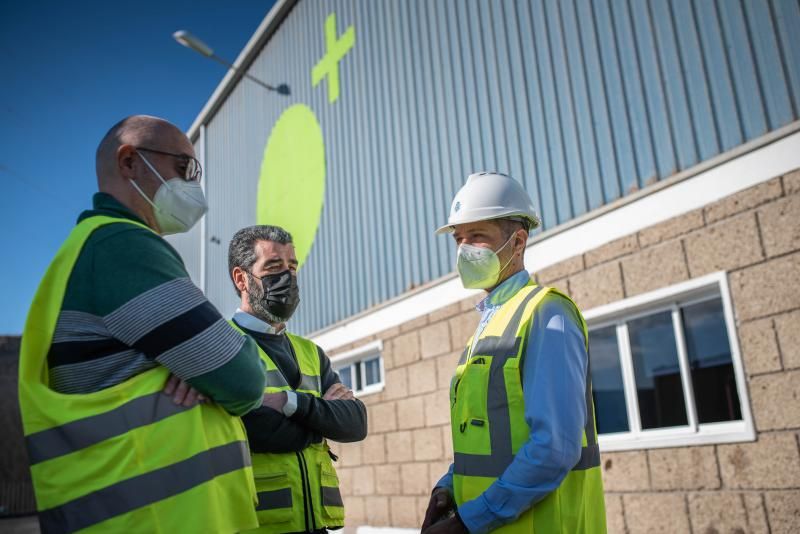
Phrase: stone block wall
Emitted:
{"points": [[754, 236]]}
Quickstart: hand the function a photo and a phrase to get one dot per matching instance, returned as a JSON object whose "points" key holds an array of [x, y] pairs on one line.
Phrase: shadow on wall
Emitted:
{"points": [[16, 488]]}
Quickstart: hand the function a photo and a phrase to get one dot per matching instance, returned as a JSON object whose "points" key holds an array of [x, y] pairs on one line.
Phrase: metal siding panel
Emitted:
{"points": [[554, 144], [787, 15], [566, 114], [634, 93], [601, 125], [768, 63], [583, 124], [719, 77], [694, 79], [577, 100], [618, 106], [674, 139], [521, 151], [749, 99]]}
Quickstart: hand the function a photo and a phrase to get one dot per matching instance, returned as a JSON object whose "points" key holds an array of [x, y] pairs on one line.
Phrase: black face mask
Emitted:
{"points": [[278, 296]]}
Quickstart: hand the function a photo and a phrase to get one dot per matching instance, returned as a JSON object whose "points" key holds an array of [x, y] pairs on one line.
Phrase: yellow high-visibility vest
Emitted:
{"points": [[489, 427], [297, 491], [126, 458]]}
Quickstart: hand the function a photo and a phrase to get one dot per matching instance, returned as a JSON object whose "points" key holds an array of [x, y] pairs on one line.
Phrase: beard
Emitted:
{"points": [[257, 302]]}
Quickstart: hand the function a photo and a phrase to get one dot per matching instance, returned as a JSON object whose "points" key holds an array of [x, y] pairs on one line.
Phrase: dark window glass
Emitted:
{"points": [[657, 371], [345, 376], [608, 392], [709, 353], [372, 370]]}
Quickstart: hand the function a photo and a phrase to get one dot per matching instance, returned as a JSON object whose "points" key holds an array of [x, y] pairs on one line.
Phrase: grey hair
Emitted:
{"points": [[242, 250]]}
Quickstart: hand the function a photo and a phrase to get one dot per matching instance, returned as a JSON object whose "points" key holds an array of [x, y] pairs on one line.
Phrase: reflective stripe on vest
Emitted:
{"points": [[99, 459], [477, 460], [285, 480]]}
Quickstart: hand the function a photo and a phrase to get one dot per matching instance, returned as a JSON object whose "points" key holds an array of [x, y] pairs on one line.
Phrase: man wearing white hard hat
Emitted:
{"points": [[525, 446]]}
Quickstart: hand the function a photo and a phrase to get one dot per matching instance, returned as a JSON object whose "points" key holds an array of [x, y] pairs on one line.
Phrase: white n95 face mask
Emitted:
{"points": [[479, 267], [177, 205]]}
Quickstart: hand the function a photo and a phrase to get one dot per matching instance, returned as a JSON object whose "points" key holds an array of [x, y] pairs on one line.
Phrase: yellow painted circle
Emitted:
{"points": [[291, 187]]}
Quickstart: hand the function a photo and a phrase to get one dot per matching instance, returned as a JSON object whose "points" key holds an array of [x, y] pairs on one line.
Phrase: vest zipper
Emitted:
{"points": [[306, 491]]}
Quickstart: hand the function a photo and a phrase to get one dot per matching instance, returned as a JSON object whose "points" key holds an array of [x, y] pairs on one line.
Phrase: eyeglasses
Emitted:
{"points": [[191, 173]]}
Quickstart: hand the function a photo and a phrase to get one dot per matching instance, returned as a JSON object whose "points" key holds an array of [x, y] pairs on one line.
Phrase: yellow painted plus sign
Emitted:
{"points": [[336, 50]]}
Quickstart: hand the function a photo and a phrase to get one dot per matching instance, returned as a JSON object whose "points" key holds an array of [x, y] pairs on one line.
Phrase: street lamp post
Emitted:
{"points": [[190, 41]]}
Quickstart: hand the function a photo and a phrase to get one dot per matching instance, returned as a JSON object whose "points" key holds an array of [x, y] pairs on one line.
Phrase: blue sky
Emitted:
{"points": [[70, 70]]}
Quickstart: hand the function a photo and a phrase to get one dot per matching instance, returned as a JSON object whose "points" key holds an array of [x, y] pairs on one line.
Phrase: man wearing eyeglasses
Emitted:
{"points": [[119, 347]]}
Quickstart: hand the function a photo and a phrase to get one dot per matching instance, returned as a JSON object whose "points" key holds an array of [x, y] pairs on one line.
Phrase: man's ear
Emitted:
{"points": [[126, 161], [239, 279], [521, 235]]}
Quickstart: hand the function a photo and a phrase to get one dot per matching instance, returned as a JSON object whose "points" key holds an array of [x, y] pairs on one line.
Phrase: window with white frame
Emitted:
{"points": [[361, 369], [666, 369]]}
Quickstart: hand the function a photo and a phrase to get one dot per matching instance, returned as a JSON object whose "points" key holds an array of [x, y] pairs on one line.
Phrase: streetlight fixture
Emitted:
{"points": [[190, 41]]}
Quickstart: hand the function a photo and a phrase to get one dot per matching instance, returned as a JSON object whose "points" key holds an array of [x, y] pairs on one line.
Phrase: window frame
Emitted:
{"points": [[672, 298], [358, 357]]}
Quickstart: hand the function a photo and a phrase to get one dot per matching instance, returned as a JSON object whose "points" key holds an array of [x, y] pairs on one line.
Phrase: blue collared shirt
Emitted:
{"points": [[554, 389]]}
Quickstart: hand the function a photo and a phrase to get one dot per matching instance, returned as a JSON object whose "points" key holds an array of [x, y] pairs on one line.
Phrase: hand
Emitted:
{"points": [[338, 391], [182, 393], [440, 504], [276, 401], [451, 525]]}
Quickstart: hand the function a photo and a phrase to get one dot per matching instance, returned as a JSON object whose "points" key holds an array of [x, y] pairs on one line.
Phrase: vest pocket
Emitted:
{"points": [[469, 414], [274, 497], [330, 497]]}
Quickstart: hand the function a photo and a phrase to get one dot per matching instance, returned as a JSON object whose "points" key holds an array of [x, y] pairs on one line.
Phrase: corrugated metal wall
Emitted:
{"points": [[583, 101]]}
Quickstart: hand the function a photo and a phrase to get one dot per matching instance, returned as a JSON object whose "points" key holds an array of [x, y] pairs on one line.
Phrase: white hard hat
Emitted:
{"points": [[490, 195]]}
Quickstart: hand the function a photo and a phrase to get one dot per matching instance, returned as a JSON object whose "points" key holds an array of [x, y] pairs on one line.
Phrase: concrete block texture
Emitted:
{"points": [[597, 286], [615, 515], [786, 326], [415, 478], [396, 383], [776, 400], [625, 471], [783, 511], [772, 462], [759, 345], [462, 327], [614, 249], [399, 446], [767, 288], [712, 248], [756, 512], [404, 349], [780, 225], [434, 339], [387, 479], [684, 468], [653, 268], [349, 453], [719, 512], [560, 270], [446, 368], [382, 417], [411, 413], [376, 510], [656, 513], [428, 444], [354, 511], [791, 182], [373, 449], [674, 227], [743, 200], [364, 480], [422, 377], [445, 313], [437, 408], [404, 512]]}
